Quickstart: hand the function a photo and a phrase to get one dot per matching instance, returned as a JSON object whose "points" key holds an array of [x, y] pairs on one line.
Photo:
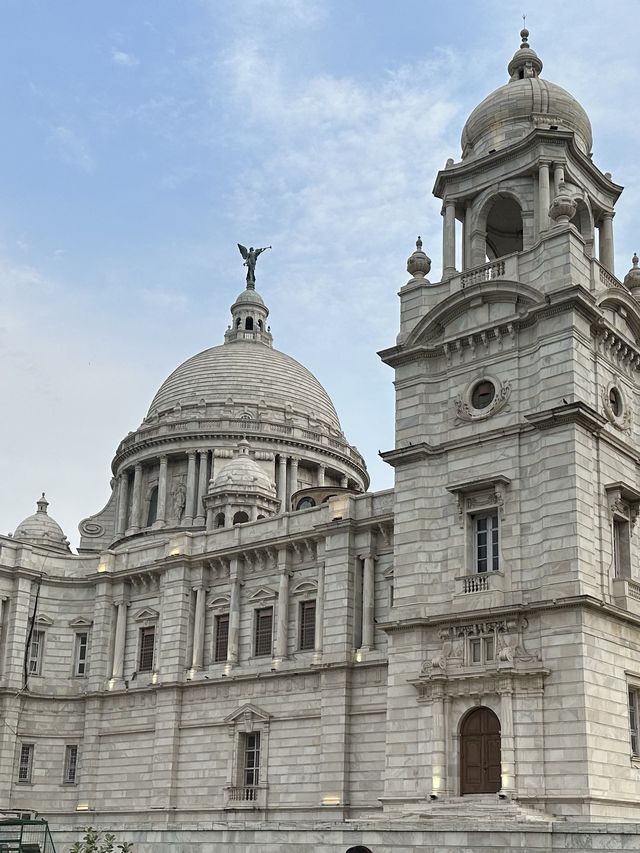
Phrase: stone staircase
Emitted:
{"points": [[479, 809]]}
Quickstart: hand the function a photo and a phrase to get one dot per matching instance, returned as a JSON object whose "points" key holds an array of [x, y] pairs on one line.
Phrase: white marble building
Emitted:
{"points": [[251, 651]]}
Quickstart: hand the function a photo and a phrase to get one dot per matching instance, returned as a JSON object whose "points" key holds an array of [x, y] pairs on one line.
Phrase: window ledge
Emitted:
{"points": [[479, 582]]}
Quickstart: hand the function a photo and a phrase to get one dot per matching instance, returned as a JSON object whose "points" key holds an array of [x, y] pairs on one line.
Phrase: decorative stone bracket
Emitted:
{"points": [[624, 501]]}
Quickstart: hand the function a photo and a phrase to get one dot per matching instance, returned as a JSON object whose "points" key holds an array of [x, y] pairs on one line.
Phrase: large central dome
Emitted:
{"points": [[247, 374]]}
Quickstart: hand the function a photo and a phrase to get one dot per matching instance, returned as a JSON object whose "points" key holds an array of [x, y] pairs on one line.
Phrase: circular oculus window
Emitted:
{"points": [[483, 394], [615, 401]]}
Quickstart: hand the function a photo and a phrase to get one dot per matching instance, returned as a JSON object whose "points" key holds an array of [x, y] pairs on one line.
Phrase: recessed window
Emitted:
{"points": [[145, 653], [25, 767], [263, 632], [251, 759], [221, 638], [80, 662], [219, 520], [634, 720], [621, 548], [483, 394], [615, 401], [70, 764], [152, 514], [36, 653], [248, 324], [307, 633], [240, 518], [481, 650], [485, 536]]}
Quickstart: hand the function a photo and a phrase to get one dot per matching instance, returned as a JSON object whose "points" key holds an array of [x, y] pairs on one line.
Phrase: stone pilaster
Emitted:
{"points": [[334, 741], [507, 741], [197, 656], [17, 631], [101, 633], [121, 605], [202, 486], [162, 493], [449, 240], [191, 489], [123, 501], [543, 197], [319, 632], [136, 502], [368, 602], [165, 747], [282, 625], [175, 594], [233, 646], [321, 474], [293, 486], [282, 483]]}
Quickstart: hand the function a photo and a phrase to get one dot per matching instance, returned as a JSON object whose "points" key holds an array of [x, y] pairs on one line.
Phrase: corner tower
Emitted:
{"points": [[515, 629]]}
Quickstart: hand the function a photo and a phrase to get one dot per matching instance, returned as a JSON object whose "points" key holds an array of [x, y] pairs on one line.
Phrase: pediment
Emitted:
{"points": [[262, 593], [81, 622], [478, 306], [305, 587], [220, 602], [248, 713], [145, 613], [43, 619]]}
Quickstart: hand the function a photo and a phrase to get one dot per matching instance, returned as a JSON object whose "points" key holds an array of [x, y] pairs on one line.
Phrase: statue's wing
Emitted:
{"points": [[243, 251]]}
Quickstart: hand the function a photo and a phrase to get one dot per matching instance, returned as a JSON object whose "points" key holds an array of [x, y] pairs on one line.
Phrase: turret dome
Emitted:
{"points": [[523, 104], [244, 473], [40, 529]]}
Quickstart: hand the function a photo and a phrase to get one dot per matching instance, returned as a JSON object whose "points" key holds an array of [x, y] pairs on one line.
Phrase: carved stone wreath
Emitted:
{"points": [[466, 411], [622, 421]]}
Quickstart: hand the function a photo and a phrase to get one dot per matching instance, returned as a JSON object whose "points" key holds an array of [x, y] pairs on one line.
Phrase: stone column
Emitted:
{"points": [[321, 472], [282, 483], [282, 627], [319, 633], [233, 645], [294, 478], [543, 197], [507, 741], [191, 489], [466, 238], [438, 735], [368, 602], [136, 503], [558, 177], [202, 486], [197, 656], [123, 499], [162, 493], [449, 240], [606, 241], [121, 635]]}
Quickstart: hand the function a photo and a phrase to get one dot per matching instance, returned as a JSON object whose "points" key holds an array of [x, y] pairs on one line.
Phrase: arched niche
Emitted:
{"points": [[621, 311], [152, 512], [497, 226], [240, 518]]}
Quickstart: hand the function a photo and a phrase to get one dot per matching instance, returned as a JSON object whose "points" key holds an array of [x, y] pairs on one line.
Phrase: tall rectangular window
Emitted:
{"points": [[307, 621], [145, 652], [80, 662], [70, 764], [36, 652], [263, 632], [621, 548], [221, 638], [634, 720], [485, 534], [251, 759], [25, 766]]}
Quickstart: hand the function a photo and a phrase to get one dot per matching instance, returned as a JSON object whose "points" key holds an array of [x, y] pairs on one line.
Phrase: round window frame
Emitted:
{"points": [[622, 420], [474, 388], [466, 411]]}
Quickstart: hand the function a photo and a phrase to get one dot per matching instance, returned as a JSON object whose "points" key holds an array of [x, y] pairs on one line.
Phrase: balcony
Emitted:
{"points": [[480, 590], [626, 594], [245, 797]]}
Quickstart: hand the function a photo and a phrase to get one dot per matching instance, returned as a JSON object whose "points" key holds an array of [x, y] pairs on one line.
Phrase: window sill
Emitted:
{"points": [[24, 784], [478, 582]]}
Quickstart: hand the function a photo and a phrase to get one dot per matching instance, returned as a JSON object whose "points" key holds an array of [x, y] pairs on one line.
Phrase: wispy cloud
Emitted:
{"points": [[121, 57], [71, 149]]}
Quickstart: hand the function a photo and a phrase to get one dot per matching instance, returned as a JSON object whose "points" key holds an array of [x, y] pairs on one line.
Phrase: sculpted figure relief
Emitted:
{"points": [[179, 500]]}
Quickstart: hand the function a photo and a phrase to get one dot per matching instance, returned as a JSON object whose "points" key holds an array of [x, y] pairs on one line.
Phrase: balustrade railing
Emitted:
{"points": [[243, 794]]}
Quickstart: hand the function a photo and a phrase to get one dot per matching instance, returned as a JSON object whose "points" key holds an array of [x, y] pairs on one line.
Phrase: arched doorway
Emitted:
{"points": [[480, 770]]}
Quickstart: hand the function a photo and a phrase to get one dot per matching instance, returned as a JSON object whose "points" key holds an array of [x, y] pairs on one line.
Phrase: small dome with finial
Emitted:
{"points": [[419, 264], [40, 529], [632, 278]]}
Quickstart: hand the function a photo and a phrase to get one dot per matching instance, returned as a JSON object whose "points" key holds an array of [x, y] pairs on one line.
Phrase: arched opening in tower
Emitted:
{"points": [[504, 228]]}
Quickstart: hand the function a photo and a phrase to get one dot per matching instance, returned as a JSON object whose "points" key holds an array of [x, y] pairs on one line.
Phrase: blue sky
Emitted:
{"points": [[142, 140]]}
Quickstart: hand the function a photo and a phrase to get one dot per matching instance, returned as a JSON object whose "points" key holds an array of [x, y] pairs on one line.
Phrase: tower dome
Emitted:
{"points": [[523, 104], [244, 473], [40, 529]]}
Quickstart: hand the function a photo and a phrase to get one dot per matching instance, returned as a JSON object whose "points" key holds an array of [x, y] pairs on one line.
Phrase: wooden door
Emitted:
{"points": [[480, 768]]}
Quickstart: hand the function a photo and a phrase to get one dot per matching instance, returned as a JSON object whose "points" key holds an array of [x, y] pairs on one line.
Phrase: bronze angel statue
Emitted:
{"points": [[250, 256]]}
